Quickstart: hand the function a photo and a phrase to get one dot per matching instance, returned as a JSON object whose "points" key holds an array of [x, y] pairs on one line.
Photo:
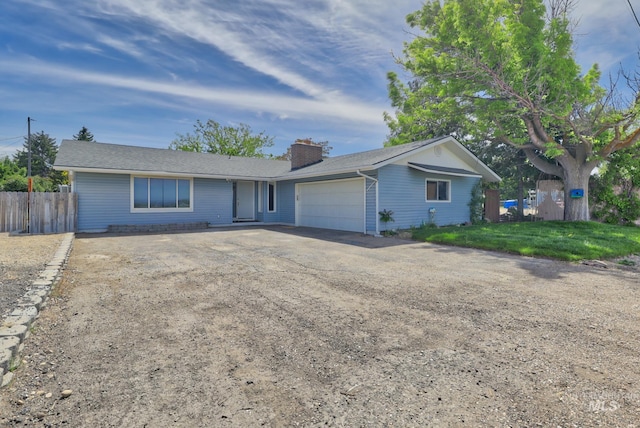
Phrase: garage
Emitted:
{"points": [[336, 204]]}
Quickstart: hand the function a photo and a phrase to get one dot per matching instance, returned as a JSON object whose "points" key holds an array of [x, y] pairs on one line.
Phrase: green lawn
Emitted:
{"points": [[554, 239]]}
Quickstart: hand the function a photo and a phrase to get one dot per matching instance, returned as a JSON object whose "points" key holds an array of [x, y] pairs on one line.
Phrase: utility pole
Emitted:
{"points": [[29, 179], [29, 146]]}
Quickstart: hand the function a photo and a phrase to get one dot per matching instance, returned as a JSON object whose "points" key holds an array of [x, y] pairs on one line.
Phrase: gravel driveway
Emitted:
{"points": [[295, 327], [22, 258]]}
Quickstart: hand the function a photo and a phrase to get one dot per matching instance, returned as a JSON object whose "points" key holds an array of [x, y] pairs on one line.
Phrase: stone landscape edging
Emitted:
{"points": [[15, 328]]}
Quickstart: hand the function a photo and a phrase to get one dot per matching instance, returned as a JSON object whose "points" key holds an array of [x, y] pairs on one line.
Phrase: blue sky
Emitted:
{"points": [[139, 71]]}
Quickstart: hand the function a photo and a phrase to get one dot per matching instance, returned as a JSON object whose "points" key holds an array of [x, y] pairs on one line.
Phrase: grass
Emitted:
{"points": [[563, 240]]}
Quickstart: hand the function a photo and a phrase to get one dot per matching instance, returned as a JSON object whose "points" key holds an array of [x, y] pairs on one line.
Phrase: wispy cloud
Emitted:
{"points": [[79, 47], [602, 34], [124, 46], [335, 108]]}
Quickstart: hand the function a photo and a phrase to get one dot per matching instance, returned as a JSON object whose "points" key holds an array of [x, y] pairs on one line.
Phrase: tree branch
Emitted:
{"points": [[542, 164], [618, 143]]}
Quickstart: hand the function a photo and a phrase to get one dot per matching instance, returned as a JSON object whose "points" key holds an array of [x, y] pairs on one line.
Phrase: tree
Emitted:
{"points": [[43, 154], [326, 148], [212, 137], [11, 175], [616, 196], [511, 165], [9, 167], [506, 70], [83, 135]]}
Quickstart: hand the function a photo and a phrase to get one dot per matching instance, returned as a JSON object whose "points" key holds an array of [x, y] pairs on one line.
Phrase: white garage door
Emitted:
{"points": [[337, 204]]}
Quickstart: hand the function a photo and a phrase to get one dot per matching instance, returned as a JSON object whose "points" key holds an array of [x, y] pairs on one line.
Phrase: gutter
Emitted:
{"points": [[375, 180]]}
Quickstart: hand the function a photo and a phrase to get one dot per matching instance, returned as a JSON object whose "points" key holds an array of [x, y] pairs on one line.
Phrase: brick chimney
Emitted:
{"points": [[305, 154]]}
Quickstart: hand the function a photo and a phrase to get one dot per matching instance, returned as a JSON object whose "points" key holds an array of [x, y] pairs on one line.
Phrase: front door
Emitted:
{"points": [[245, 200]]}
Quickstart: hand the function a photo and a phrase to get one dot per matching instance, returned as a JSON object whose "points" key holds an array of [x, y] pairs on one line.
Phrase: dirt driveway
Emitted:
{"points": [[292, 327]]}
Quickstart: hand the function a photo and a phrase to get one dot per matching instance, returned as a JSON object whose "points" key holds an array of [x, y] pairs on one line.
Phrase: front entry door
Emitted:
{"points": [[245, 201]]}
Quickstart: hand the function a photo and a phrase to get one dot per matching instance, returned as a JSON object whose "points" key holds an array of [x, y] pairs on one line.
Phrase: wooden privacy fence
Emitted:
{"points": [[47, 213]]}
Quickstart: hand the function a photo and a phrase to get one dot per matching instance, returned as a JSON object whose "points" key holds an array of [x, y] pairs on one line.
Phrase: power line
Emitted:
{"points": [[12, 138], [633, 12], [15, 143]]}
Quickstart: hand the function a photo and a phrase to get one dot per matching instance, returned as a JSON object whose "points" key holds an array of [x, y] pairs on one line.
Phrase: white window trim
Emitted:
{"points": [[275, 199], [437, 200], [160, 210], [260, 196]]}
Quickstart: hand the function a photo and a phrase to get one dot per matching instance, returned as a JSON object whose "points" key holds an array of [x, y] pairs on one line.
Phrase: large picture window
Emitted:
{"points": [[438, 190], [167, 194]]}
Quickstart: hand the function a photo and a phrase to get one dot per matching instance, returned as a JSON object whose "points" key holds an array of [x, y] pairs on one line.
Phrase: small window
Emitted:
{"points": [[271, 197], [260, 197], [161, 194], [437, 190]]}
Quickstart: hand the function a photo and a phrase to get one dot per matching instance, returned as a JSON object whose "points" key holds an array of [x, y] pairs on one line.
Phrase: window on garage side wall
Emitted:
{"points": [[438, 190], [161, 194], [271, 197]]}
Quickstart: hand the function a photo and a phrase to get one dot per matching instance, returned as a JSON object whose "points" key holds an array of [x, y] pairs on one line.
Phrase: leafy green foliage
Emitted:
{"points": [[476, 203], [212, 137], [509, 163], [504, 71], [13, 173], [570, 241], [18, 183], [386, 216], [14, 178], [616, 190]]}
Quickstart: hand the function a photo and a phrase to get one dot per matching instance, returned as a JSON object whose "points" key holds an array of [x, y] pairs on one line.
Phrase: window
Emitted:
{"points": [[271, 197], [438, 190], [161, 194], [260, 197]]}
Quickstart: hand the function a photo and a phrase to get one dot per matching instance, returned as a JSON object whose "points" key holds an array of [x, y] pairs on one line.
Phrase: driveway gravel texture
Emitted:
{"points": [[22, 258], [294, 327]]}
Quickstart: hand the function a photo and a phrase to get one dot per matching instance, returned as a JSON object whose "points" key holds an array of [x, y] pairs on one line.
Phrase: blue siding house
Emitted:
{"points": [[422, 182]]}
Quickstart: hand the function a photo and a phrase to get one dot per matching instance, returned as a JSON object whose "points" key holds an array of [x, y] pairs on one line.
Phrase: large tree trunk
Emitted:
{"points": [[577, 178], [575, 174]]}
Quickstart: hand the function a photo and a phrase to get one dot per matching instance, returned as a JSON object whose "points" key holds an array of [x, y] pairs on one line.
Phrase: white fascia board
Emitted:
{"points": [[436, 171], [325, 173], [162, 173]]}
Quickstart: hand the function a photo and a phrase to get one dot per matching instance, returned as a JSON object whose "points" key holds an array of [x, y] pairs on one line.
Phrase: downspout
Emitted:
{"points": [[375, 180]]}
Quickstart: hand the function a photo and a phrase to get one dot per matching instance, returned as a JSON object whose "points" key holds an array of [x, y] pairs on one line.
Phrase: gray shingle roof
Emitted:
{"points": [[85, 155], [118, 158], [101, 157], [361, 160]]}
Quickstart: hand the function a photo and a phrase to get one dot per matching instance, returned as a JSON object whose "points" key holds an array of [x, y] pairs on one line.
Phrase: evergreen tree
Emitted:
{"points": [[83, 135], [43, 154]]}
